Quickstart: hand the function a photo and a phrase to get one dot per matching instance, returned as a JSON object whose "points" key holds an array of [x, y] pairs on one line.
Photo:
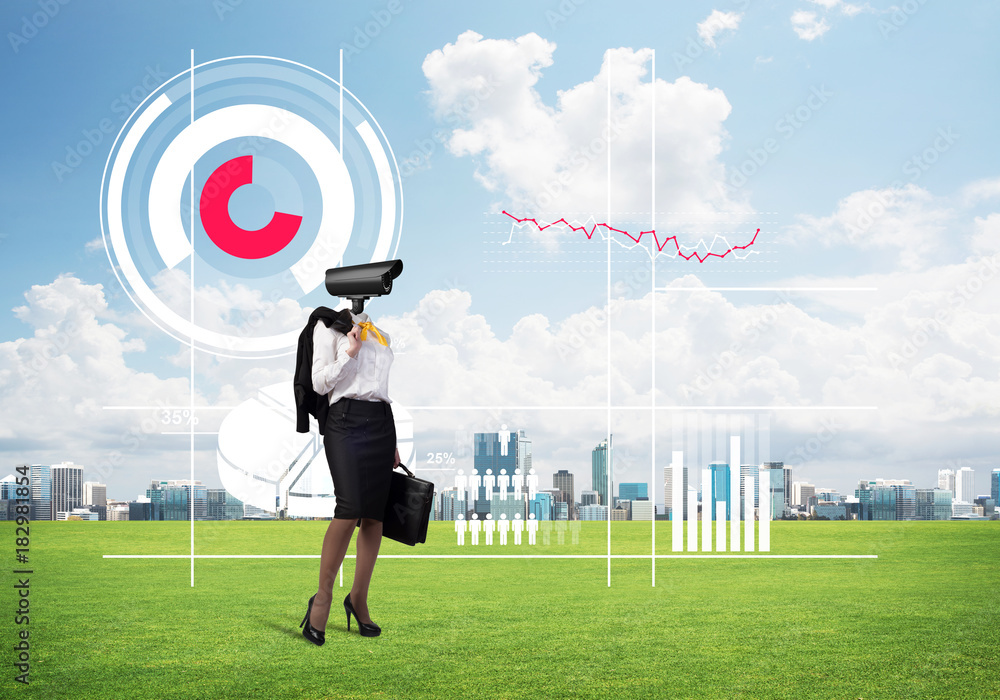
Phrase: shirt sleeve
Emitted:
{"points": [[331, 363]]}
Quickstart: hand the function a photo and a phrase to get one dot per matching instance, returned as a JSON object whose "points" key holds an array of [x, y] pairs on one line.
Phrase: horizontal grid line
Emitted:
{"points": [[498, 556]]}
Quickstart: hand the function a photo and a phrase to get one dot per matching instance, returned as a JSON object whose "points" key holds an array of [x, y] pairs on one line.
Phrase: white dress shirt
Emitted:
{"points": [[337, 374]]}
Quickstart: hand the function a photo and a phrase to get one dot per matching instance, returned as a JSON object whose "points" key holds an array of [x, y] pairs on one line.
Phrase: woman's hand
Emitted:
{"points": [[396, 461], [354, 338]]}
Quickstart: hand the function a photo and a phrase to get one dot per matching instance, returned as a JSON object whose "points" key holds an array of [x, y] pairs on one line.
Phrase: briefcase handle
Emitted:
{"points": [[408, 472]]}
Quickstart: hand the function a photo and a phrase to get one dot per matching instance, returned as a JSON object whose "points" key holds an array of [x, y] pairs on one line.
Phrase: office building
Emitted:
{"points": [[497, 455], [747, 472], [621, 511], [599, 472], [541, 506], [560, 511], [179, 498], [223, 505], [668, 490], [642, 509], [933, 504], [450, 504], [118, 511], [594, 512], [781, 488], [631, 491], [562, 481], [41, 492], [67, 487], [946, 480], [965, 491], [720, 488], [995, 485], [95, 494], [589, 498], [802, 492]]}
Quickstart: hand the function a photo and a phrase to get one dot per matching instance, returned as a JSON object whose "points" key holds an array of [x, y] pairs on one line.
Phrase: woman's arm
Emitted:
{"points": [[331, 361]]}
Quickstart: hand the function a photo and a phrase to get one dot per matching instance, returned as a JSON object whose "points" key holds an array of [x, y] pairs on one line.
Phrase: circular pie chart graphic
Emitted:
{"points": [[232, 189]]}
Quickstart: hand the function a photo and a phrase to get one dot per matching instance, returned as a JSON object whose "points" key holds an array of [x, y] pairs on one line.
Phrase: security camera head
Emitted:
{"points": [[362, 282]]}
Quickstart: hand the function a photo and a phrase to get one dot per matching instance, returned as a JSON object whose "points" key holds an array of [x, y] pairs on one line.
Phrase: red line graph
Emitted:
{"points": [[659, 246]]}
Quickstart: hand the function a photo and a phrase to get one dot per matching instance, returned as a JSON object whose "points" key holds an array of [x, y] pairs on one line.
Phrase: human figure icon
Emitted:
{"points": [[460, 482], [532, 528], [489, 525], [474, 484], [489, 482], [518, 527], [460, 528], [574, 528], [503, 481], [474, 527], [518, 478], [504, 437], [546, 527], [560, 531], [532, 484], [503, 526]]}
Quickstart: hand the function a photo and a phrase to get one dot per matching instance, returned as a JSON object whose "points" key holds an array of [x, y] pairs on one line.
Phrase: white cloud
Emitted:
{"points": [[716, 23], [909, 220], [808, 26], [542, 158]]}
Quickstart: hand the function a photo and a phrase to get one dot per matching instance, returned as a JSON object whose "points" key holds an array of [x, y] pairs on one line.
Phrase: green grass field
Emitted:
{"points": [[921, 621]]}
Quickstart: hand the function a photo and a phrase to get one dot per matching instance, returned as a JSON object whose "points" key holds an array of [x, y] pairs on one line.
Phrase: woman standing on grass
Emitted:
{"points": [[352, 370]]}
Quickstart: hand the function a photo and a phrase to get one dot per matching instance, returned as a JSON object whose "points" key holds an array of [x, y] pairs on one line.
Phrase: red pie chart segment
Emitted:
{"points": [[239, 242]]}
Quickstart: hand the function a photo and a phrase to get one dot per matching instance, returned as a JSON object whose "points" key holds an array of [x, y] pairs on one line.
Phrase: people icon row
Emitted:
{"points": [[501, 526], [500, 483]]}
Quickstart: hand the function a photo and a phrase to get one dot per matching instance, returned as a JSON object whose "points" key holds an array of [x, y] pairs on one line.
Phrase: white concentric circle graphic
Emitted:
{"points": [[290, 175]]}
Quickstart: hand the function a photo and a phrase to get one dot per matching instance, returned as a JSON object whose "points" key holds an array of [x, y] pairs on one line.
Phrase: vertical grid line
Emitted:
{"points": [[652, 313], [191, 409], [341, 107], [608, 461]]}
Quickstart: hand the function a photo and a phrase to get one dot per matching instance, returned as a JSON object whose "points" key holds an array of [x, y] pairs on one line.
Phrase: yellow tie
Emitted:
{"points": [[369, 326]]}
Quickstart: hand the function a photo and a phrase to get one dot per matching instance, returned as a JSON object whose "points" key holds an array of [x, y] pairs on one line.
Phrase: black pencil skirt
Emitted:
{"points": [[360, 444]]}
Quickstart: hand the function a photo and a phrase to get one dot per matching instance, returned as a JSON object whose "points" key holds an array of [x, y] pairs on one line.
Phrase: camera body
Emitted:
{"points": [[362, 282]]}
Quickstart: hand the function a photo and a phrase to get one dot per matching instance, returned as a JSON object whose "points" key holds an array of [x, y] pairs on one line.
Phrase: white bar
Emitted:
{"points": [[692, 519], [734, 493], [706, 510], [748, 485], [720, 526], [764, 524], [677, 500]]}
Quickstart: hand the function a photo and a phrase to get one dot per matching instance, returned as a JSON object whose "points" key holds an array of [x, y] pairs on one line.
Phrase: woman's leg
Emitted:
{"points": [[369, 540], [338, 537]]}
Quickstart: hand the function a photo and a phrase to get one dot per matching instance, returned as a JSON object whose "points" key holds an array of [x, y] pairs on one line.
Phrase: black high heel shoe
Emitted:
{"points": [[367, 629], [314, 635]]}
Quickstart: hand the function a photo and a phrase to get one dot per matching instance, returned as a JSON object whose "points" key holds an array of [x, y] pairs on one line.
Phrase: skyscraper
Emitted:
{"points": [[563, 481], [749, 471], [946, 480], [496, 452], [67, 487], [95, 494], [599, 472], [632, 491], [41, 492], [995, 486], [720, 489], [802, 492], [965, 491], [668, 490], [781, 487]]}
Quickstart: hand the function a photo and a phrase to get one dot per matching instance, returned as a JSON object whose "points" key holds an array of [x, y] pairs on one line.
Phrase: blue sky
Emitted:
{"points": [[893, 81]]}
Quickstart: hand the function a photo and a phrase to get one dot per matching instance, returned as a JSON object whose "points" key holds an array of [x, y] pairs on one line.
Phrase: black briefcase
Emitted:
{"points": [[408, 508]]}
